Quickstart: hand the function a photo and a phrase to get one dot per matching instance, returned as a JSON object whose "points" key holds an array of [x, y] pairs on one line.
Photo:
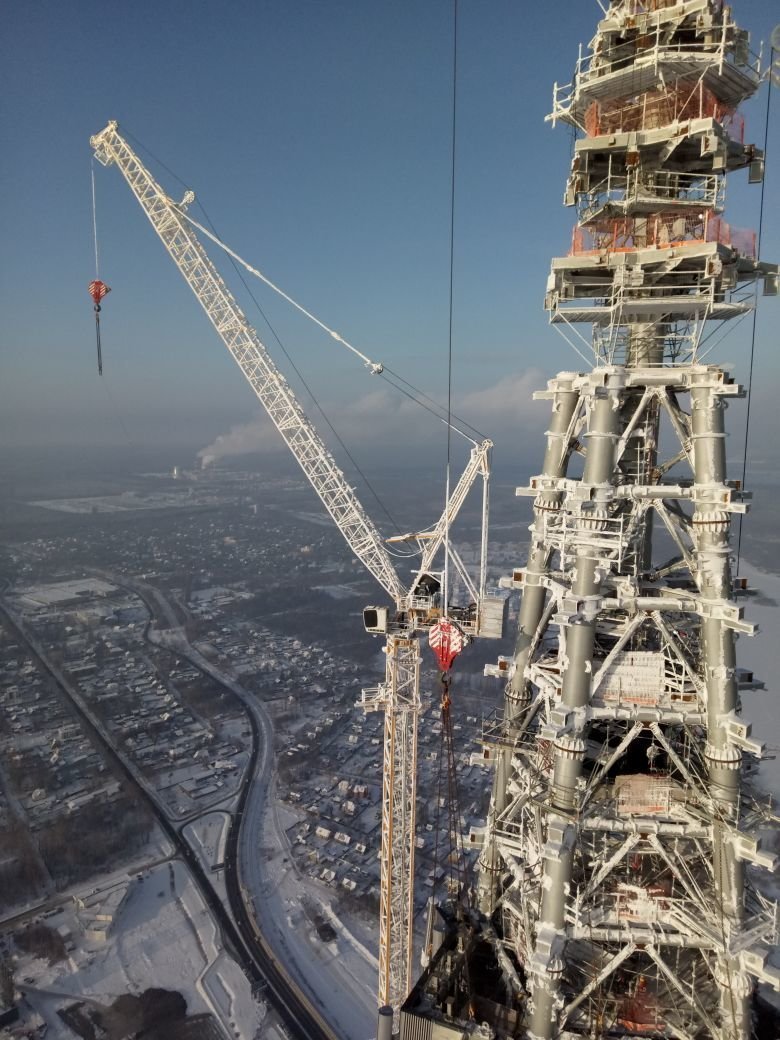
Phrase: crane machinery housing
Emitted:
{"points": [[409, 613]]}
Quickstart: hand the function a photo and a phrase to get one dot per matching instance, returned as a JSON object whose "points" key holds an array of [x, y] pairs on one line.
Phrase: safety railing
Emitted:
{"points": [[721, 51], [678, 190], [629, 902], [655, 109], [730, 49]]}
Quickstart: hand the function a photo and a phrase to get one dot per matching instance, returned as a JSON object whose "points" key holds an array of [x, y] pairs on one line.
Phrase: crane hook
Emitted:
{"points": [[98, 290]]}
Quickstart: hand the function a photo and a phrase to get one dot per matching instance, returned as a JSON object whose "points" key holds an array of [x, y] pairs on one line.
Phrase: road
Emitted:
{"points": [[239, 933], [310, 965]]}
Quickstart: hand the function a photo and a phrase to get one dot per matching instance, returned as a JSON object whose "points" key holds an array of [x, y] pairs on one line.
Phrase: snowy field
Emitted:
{"points": [[207, 836], [163, 936]]}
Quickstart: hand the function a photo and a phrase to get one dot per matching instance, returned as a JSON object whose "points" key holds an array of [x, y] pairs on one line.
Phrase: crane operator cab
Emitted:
{"points": [[425, 594], [424, 606], [375, 620]]}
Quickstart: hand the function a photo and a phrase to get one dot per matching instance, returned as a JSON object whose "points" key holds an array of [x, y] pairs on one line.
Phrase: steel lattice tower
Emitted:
{"points": [[613, 873]]}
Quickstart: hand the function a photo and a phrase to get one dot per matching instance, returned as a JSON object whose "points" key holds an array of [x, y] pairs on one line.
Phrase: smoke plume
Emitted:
{"points": [[384, 420]]}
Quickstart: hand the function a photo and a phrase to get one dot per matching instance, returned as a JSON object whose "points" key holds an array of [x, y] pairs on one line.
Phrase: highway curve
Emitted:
{"points": [[241, 938]]}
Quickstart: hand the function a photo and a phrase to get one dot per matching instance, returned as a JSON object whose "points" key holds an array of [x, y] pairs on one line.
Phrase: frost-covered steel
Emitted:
{"points": [[269, 385], [620, 821], [399, 698]]}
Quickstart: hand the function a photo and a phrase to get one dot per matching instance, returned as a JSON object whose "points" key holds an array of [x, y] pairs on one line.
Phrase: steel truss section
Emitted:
{"points": [[399, 698], [269, 385], [616, 847], [623, 813]]}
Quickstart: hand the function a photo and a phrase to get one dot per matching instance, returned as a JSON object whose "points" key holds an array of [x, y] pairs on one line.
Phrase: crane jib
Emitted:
{"points": [[267, 382]]}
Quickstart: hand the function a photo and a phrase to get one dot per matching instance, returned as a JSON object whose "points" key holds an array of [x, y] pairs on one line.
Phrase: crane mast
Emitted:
{"points": [[414, 610]]}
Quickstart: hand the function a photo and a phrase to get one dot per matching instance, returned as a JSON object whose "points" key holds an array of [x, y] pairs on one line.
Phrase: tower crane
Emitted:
{"points": [[412, 611]]}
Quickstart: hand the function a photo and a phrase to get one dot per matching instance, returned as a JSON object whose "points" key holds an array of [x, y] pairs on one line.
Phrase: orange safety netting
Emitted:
{"points": [[654, 109], [660, 232], [643, 6]]}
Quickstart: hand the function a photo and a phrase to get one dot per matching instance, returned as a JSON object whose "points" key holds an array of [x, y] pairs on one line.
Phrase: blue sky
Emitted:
{"points": [[317, 135]]}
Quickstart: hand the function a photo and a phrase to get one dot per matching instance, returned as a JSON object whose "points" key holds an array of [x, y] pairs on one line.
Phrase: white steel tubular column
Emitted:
{"points": [[711, 535], [569, 751], [566, 400]]}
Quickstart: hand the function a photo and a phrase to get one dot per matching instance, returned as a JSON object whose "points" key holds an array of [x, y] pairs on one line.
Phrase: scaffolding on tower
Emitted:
{"points": [[613, 885]]}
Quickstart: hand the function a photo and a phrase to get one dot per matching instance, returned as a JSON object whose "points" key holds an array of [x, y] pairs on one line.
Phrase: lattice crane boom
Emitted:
{"points": [[271, 388]]}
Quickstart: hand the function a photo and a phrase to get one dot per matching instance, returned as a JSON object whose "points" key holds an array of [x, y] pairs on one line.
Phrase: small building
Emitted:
{"points": [[97, 931]]}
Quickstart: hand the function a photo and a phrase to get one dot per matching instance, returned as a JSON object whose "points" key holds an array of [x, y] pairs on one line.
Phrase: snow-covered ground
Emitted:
{"points": [[155, 850], [208, 835], [163, 936], [340, 977]]}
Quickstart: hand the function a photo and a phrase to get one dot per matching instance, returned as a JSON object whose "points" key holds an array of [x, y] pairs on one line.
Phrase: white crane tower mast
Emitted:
{"points": [[415, 610]]}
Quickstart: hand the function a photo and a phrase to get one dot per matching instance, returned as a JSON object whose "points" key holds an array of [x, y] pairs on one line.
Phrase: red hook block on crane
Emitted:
{"points": [[447, 641], [98, 290]]}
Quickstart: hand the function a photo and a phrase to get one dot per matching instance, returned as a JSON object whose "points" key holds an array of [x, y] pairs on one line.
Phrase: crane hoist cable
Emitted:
{"points": [[393, 552], [375, 367], [446, 582], [447, 642], [458, 880], [412, 392], [447, 800], [97, 290], [445, 637], [94, 219]]}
